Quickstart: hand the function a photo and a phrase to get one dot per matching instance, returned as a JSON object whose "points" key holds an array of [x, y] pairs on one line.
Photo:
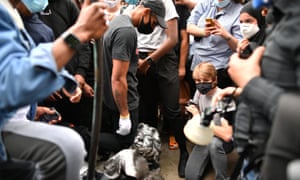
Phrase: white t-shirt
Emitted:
{"points": [[151, 42], [203, 100]]}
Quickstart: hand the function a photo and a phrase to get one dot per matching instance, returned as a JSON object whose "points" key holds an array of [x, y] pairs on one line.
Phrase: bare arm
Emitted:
{"points": [[221, 31], [184, 50], [170, 42], [190, 4], [195, 30], [119, 85]]}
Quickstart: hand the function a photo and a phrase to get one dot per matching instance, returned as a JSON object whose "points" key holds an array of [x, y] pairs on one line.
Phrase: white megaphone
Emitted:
{"points": [[198, 133], [199, 129]]}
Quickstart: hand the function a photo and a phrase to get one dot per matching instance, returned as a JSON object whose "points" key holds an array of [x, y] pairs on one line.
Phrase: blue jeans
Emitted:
{"points": [[200, 157], [251, 175]]}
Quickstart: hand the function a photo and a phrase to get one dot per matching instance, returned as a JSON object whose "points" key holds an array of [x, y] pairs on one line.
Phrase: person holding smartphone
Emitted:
{"points": [[216, 33], [29, 74], [205, 77]]}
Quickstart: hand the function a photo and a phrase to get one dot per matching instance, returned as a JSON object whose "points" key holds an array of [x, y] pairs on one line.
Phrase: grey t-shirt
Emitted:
{"points": [[120, 42]]}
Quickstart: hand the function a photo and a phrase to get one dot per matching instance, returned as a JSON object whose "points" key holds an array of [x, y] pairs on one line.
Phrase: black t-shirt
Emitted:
{"points": [[37, 29], [120, 42], [59, 15], [183, 13]]}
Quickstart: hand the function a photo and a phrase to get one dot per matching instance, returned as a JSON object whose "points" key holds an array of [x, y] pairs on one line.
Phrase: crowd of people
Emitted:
{"points": [[152, 51]]}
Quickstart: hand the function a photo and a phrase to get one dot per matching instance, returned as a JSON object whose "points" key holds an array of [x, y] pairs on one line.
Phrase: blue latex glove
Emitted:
{"points": [[124, 125]]}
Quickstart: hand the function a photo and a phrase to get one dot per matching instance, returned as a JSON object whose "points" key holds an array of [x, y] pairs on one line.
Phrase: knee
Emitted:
{"points": [[73, 144], [216, 145], [69, 142]]}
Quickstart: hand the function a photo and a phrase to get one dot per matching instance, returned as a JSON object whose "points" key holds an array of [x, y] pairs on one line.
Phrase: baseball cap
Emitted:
{"points": [[158, 8]]}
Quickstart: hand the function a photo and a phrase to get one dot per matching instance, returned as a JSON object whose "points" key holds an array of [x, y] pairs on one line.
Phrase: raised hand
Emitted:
{"points": [[91, 22]]}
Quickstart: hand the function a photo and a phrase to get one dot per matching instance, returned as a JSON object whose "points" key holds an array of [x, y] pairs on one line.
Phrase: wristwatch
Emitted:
{"points": [[149, 60], [71, 40]]}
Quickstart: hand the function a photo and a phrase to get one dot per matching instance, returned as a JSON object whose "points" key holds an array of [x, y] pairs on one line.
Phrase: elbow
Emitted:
{"points": [[118, 82], [173, 40], [115, 82], [189, 28]]}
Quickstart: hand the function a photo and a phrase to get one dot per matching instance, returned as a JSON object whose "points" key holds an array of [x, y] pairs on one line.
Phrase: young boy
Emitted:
{"points": [[205, 77]]}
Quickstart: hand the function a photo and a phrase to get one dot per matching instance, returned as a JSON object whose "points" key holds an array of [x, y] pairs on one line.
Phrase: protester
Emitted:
{"points": [[181, 50], [159, 80], [205, 76], [30, 74], [265, 75], [216, 33], [59, 15], [120, 103], [253, 28]]}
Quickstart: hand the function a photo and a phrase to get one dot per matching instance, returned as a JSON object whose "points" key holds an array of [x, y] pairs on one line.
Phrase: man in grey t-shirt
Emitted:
{"points": [[120, 102]]}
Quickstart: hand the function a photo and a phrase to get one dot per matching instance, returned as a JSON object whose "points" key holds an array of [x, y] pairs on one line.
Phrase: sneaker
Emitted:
{"points": [[172, 143]]}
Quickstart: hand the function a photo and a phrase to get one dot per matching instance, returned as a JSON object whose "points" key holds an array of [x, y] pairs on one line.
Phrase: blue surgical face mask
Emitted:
{"points": [[132, 1], [222, 4], [35, 6], [204, 87]]}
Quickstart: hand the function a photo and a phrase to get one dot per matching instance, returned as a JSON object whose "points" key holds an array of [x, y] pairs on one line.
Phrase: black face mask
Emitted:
{"points": [[204, 87], [145, 28]]}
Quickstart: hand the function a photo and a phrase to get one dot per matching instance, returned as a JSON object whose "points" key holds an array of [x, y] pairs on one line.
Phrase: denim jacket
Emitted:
{"points": [[28, 74]]}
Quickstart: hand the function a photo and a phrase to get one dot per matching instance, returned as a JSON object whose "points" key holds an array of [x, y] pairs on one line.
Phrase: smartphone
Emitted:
{"points": [[246, 52], [191, 102], [210, 22], [49, 117]]}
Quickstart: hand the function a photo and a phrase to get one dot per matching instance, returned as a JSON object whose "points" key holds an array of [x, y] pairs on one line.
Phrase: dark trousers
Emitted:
{"points": [[109, 140], [283, 145], [161, 86]]}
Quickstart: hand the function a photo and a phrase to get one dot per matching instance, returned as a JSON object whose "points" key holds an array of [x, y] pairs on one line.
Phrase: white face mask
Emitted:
{"points": [[248, 30], [111, 3]]}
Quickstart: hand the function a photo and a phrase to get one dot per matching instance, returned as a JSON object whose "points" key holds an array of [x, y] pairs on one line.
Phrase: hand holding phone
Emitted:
{"points": [[46, 117], [209, 22]]}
